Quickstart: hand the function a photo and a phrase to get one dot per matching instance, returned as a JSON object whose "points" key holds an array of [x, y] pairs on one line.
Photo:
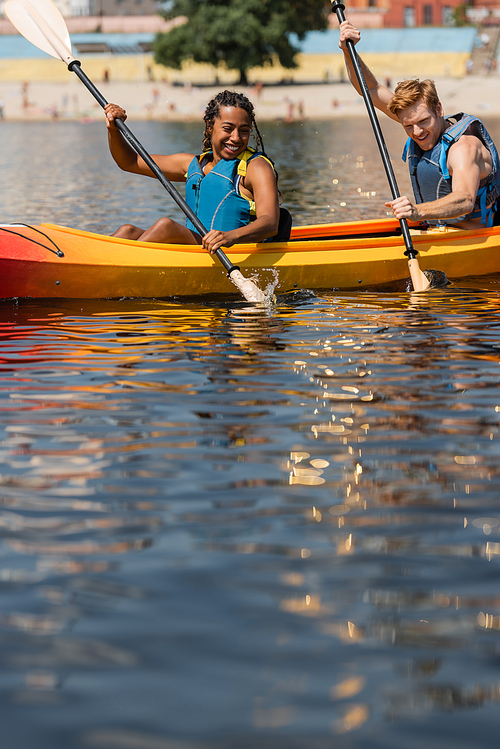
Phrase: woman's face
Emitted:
{"points": [[230, 132]]}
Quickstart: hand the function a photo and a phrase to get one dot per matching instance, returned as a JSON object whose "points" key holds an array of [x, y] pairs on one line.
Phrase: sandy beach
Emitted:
{"points": [[163, 101]]}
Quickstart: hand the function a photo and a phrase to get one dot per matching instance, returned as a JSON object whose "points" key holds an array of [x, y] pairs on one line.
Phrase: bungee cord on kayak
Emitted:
{"points": [[317, 253], [57, 251], [45, 27]]}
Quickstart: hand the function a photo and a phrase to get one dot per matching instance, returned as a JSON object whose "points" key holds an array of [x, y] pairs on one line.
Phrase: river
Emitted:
{"points": [[225, 527]]}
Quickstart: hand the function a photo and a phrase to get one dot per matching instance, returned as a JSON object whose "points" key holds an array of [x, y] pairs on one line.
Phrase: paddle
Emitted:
{"points": [[41, 23], [418, 278]]}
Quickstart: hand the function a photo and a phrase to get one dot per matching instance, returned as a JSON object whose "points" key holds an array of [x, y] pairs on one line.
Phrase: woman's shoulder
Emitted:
{"points": [[259, 162]]}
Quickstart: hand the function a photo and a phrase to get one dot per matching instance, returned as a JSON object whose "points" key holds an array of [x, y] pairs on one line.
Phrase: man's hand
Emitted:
{"points": [[348, 31], [403, 208]]}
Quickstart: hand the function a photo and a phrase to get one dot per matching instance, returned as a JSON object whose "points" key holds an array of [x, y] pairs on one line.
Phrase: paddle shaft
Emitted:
{"points": [[339, 8], [75, 67]]}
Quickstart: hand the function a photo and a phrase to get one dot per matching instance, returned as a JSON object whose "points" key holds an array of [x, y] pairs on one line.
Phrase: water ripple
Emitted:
{"points": [[225, 526]]}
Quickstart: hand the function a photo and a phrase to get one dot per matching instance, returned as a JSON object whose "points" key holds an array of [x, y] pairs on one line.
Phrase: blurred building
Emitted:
{"points": [[412, 13], [70, 8], [123, 7]]}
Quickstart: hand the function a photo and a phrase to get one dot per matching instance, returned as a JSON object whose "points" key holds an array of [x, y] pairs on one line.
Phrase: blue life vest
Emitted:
{"points": [[215, 197], [431, 179]]}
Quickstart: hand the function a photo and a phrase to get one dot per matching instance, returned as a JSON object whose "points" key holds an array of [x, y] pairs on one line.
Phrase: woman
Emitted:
{"points": [[231, 187]]}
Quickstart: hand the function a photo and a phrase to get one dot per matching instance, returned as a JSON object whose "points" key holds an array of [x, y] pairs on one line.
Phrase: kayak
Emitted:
{"points": [[47, 261]]}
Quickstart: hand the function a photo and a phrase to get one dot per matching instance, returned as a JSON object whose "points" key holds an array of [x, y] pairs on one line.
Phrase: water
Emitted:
{"points": [[227, 527], [62, 172]]}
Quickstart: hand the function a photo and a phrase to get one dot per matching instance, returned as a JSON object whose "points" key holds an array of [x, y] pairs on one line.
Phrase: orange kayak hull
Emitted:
{"points": [[350, 255]]}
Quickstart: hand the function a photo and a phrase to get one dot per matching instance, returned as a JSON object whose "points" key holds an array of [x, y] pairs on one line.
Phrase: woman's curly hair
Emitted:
{"points": [[228, 99]]}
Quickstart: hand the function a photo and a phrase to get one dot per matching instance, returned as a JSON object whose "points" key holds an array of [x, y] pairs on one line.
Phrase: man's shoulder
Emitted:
{"points": [[467, 141], [468, 150]]}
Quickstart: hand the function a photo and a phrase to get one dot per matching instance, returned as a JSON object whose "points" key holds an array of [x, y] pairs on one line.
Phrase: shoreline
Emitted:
{"points": [[161, 101]]}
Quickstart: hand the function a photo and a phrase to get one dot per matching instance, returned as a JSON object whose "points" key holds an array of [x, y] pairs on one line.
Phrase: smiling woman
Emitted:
{"points": [[231, 187]]}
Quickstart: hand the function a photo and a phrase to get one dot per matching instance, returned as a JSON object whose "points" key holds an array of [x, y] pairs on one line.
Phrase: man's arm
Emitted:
{"points": [[380, 95], [466, 164]]}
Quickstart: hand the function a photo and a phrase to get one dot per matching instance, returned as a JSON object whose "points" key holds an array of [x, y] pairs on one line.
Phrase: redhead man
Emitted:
{"points": [[454, 165]]}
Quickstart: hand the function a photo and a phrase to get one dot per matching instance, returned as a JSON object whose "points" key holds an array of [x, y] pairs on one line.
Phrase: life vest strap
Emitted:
{"points": [[245, 158], [240, 173], [406, 149]]}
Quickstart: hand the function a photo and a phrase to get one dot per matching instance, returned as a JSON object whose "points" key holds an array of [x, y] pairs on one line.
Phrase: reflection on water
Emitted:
{"points": [[223, 527]]}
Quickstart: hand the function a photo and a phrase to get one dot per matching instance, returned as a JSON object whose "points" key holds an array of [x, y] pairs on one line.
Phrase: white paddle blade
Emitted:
{"points": [[41, 23], [250, 291]]}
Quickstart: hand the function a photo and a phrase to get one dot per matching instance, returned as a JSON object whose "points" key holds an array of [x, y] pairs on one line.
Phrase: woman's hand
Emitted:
{"points": [[214, 239], [112, 112]]}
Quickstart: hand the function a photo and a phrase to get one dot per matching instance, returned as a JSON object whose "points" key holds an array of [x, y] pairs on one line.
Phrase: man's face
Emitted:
{"points": [[423, 125]]}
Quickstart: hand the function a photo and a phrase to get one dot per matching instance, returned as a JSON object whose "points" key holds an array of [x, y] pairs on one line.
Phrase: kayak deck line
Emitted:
{"points": [[57, 251], [379, 232], [348, 255]]}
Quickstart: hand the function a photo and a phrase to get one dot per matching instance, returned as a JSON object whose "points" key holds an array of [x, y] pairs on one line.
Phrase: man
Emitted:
{"points": [[454, 165]]}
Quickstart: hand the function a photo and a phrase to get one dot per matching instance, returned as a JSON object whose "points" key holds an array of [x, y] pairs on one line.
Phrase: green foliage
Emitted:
{"points": [[238, 33], [459, 15]]}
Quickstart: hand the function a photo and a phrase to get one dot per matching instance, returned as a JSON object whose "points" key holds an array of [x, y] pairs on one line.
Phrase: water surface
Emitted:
{"points": [[232, 527]]}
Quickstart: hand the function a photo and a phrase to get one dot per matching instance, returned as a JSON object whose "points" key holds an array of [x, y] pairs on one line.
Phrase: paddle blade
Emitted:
{"points": [[419, 280], [41, 23], [249, 290]]}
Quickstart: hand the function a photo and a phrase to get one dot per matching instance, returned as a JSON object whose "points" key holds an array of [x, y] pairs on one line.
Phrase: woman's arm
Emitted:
{"points": [[174, 166]]}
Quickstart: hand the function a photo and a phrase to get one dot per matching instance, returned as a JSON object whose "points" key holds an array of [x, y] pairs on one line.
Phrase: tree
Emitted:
{"points": [[239, 34], [459, 15]]}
